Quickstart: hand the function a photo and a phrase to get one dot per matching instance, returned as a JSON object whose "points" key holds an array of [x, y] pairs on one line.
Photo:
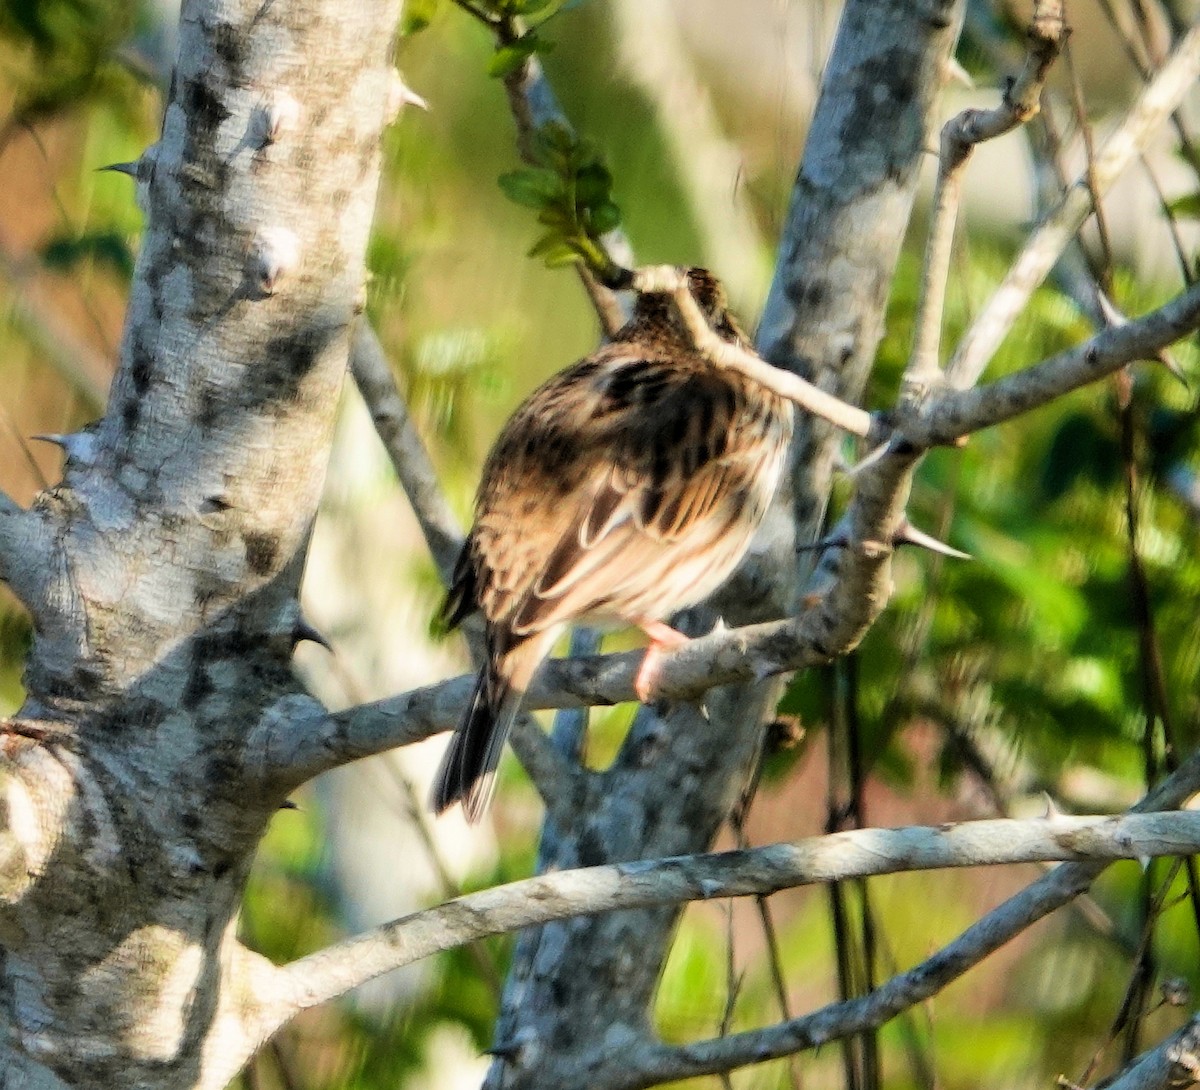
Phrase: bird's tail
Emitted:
{"points": [[468, 771]]}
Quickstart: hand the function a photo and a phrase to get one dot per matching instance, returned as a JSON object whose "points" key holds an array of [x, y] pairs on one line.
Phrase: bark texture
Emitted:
{"points": [[162, 572], [581, 990]]}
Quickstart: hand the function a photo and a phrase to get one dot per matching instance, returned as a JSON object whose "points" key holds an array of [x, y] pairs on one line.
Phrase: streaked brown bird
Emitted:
{"points": [[625, 488]]}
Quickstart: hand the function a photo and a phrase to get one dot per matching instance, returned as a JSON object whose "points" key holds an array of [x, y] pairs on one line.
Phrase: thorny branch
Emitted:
{"points": [[661, 1063], [846, 594], [955, 413]]}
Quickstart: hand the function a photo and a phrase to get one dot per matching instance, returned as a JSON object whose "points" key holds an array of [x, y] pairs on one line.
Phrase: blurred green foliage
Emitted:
{"points": [[1017, 672]]}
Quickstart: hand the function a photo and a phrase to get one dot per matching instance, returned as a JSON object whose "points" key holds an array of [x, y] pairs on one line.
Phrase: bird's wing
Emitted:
{"points": [[608, 478]]}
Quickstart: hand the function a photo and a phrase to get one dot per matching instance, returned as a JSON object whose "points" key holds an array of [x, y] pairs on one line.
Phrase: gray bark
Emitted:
{"points": [[164, 568], [580, 987], [163, 726]]}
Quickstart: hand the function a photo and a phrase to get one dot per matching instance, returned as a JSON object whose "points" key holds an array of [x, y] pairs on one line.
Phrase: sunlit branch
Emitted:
{"points": [[1155, 104], [955, 413], [661, 1063], [854, 854], [671, 281], [960, 135], [1173, 1064]]}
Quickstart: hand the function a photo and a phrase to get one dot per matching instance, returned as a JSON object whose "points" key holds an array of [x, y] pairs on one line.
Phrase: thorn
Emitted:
{"points": [[870, 458], [1108, 310], [1114, 319], [401, 95], [1172, 365], [141, 170], [275, 118], [79, 446], [305, 631], [956, 73], [908, 534], [505, 1052], [1052, 810], [130, 168]]}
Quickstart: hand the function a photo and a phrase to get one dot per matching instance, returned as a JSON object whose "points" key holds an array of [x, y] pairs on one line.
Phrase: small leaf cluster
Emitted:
{"points": [[571, 189], [515, 43]]}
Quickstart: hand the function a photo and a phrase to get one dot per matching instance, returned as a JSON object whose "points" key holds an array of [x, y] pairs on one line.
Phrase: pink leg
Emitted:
{"points": [[662, 637]]}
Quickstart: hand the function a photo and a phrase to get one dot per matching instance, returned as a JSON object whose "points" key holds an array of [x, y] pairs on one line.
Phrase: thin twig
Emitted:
{"points": [[669, 280], [533, 104], [408, 453], [949, 415], [1158, 100], [960, 135]]}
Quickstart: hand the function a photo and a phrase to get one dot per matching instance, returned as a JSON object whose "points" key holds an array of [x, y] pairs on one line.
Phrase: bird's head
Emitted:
{"points": [[709, 294], [653, 310]]}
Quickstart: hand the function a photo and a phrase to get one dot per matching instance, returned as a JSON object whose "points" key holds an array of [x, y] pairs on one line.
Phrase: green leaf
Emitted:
{"points": [[593, 184], [1187, 205], [604, 217], [508, 58], [103, 247], [418, 14], [533, 188], [1079, 450], [548, 243], [555, 252]]}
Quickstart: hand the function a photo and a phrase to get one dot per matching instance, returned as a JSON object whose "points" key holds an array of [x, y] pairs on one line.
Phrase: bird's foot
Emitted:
{"points": [[662, 638]]}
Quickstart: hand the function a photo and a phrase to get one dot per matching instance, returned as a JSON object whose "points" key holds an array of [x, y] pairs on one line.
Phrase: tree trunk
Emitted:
{"points": [[578, 989], [162, 572]]}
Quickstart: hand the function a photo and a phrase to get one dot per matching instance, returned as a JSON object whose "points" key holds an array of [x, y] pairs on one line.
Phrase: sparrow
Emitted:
{"points": [[625, 488]]}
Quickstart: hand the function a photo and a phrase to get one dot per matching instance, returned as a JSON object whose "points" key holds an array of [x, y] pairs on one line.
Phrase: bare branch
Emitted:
{"points": [[950, 415], [336, 969], [25, 543], [1173, 1064], [1160, 97], [661, 1063], [669, 280], [959, 137], [409, 456]]}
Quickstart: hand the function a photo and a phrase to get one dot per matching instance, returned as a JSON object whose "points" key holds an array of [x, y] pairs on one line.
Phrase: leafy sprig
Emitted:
{"points": [[571, 189]]}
